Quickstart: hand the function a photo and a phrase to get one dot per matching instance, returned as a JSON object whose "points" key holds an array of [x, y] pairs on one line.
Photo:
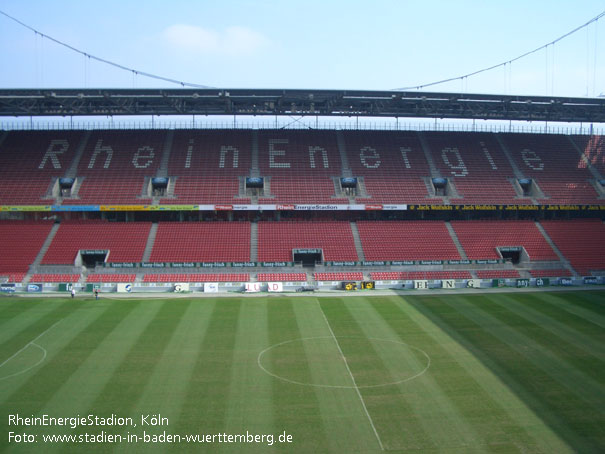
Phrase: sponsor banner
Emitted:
{"points": [[522, 283], [302, 207], [565, 281], [183, 265], [591, 280], [120, 265], [211, 287], [374, 263], [420, 285], [275, 264], [182, 287], [213, 264], [154, 265], [26, 208], [473, 283], [124, 288], [448, 283], [341, 263], [275, 287], [542, 282], [7, 288], [34, 288], [243, 264], [253, 287]]}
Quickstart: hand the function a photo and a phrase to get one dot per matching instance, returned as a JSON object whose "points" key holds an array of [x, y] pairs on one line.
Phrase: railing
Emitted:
{"points": [[352, 123]]}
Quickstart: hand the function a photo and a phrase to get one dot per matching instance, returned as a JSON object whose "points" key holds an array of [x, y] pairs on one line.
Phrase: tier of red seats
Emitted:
{"points": [[406, 240], [477, 167], [205, 190], [422, 275], [558, 272], [497, 274], [196, 277], [302, 189], [202, 242], [21, 242], [556, 166], [392, 164], [29, 160], [276, 240], [582, 242], [593, 148], [54, 278], [344, 276], [111, 278], [281, 277], [124, 241], [480, 239], [115, 164]]}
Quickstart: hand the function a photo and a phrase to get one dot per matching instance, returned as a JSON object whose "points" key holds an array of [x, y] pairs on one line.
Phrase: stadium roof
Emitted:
{"points": [[103, 102]]}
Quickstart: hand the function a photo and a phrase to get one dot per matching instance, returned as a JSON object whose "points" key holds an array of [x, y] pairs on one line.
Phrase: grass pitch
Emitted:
{"points": [[517, 372]]}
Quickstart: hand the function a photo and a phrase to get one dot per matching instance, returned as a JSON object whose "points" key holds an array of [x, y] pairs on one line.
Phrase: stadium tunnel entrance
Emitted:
{"points": [[308, 257]]}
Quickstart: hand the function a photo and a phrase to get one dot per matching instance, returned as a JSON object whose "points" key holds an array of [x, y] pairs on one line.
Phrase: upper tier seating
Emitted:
{"points": [[301, 165], [21, 242], [476, 165], [281, 277], [480, 239], [392, 164], [207, 166], [124, 241], [582, 242], [277, 239], [202, 242], [406, 240], [593, 148], [555, 165], [114, 166], [196, 277], [29, 160], [420, 275]]}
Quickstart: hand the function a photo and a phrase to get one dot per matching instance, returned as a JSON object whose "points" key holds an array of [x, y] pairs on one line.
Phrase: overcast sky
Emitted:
{"points": [[377, 44]]}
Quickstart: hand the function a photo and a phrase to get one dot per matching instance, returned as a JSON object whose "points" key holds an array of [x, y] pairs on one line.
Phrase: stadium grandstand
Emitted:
{"points": [[304, 207]]}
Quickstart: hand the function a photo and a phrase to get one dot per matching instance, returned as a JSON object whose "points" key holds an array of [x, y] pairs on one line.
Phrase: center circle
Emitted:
{"points": [[343, 362]]}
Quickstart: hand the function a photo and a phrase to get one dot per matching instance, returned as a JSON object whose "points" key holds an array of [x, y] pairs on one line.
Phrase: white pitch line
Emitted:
{"points": [[30, 343], [363, 404]]}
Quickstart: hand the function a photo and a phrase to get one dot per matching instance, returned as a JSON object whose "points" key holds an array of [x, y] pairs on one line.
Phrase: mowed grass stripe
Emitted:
{"points": [[503, 421], [204, 406], [577, 305], [433, 409], [250, 400], [555, 354], [81, 332], [83, 391], [10, 308], [522, 370], [135, 346], [340, 408], [296, 408], [30, 324], [164, 391], [575, 344], [584, 331]]}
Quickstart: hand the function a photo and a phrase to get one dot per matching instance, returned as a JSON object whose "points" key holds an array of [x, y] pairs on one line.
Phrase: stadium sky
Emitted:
{"points": [[379, 44]]}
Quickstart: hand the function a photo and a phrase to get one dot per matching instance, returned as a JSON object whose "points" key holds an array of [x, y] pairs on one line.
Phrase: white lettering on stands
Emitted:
{"points": [[404, 155], [100, 149], [459, 169], [273, 153], [369, 153], [223, 156], [488, 156], [529, 157], [324, 155], [140, 155], [189, 154], [56, 147]]}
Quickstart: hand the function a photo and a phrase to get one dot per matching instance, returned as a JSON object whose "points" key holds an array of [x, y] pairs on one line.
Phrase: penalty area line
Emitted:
{"points": [[32, 342], [363, 404]]}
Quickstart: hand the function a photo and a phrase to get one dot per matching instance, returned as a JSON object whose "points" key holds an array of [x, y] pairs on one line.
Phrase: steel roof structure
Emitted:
{"points": [[394, 104]]}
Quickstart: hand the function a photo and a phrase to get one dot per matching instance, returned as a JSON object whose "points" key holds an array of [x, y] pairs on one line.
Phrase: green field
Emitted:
{"points": [[506, 372]]}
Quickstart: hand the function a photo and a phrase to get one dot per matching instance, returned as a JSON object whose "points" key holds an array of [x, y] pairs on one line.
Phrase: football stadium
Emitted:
{"points": [[300, 286]]}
